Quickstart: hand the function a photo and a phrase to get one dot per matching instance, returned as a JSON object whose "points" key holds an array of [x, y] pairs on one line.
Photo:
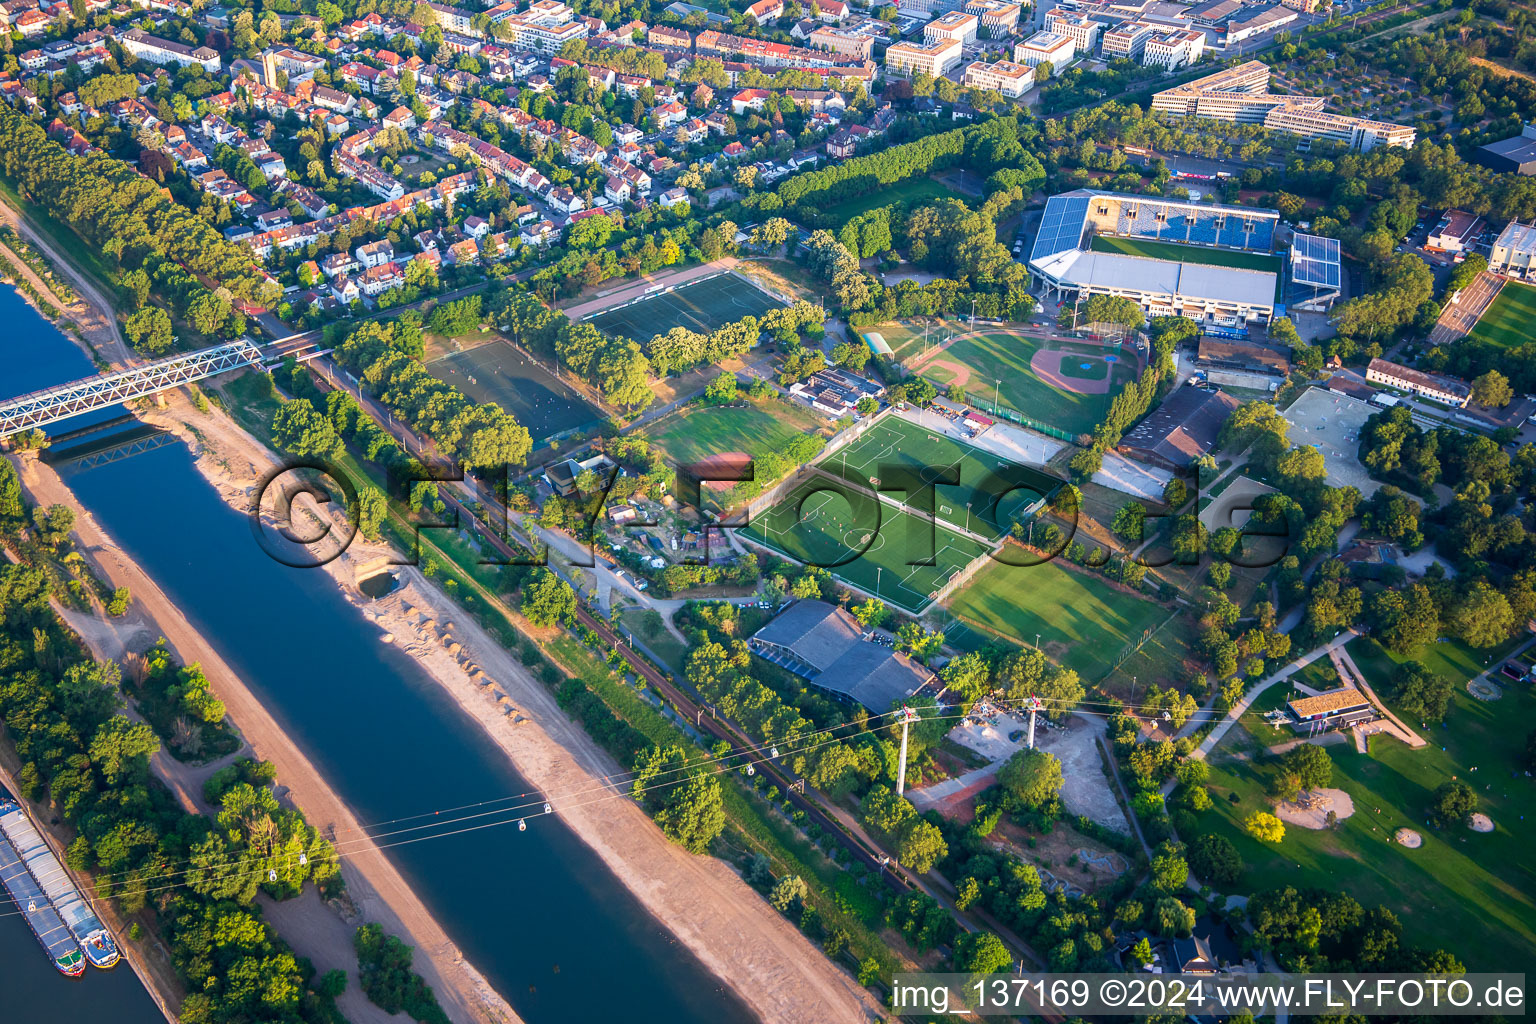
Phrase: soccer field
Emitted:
{"points": [[757, 427], [1083, 621], [499, 373], [1508, 322], [1187, 253], [865, 542], [701, 306], [998, 492], [1000, 364]]}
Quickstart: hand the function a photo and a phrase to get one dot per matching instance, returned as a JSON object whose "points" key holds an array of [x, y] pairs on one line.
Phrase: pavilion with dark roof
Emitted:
{"points": [[824, 645]]}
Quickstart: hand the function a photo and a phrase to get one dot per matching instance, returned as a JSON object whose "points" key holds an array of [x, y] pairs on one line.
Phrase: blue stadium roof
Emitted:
{"points": [[1315, 261]]}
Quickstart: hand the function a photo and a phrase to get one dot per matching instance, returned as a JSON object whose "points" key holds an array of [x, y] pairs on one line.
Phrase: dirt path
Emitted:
{"points": [[729, 926], [378, 891], [92, 312]]}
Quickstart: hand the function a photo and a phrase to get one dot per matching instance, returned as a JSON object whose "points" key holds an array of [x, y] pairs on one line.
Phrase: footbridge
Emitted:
{"points": [[41, 408]]}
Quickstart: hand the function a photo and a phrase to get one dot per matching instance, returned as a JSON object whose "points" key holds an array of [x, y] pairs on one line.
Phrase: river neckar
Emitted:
{"points": [[536, 911]]}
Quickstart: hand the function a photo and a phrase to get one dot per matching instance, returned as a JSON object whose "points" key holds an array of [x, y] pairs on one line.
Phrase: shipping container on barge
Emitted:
{"points": [[50, 876], [39, 913]]}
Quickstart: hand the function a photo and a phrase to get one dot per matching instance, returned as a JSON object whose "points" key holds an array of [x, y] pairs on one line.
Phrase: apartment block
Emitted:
{"points": [[1173, 50], [1005, 76], [956, 25], [1081, 29], [910, 58], [1046, 48]]}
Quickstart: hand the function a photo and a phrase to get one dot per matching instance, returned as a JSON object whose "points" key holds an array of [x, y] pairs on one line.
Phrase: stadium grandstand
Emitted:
{"points": [[1172, 256], [1317, 273]]}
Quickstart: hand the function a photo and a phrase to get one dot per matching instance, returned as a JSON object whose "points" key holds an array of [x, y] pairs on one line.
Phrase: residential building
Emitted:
{"points": [[166, 51], [998, 17], [1434, 386], [1173, 50], [955, 25], [765, 11], [911, 58], [1005, 76], [374, 254], [1046, 48], [1127, 41], [1081, 29], [1455, 232]]}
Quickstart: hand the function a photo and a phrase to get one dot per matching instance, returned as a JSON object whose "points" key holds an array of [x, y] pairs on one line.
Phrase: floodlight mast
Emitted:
{"points": [[906, 716], [1034, 706]]}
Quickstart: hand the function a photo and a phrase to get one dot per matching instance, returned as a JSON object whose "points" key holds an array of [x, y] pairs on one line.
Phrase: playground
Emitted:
{"points": [[865, 542], [703, 306]]}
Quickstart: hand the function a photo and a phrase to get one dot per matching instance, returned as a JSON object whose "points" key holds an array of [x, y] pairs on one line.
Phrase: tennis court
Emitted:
{"points": [[499, 373], [701, 306], [991, 493], [865, 542]]}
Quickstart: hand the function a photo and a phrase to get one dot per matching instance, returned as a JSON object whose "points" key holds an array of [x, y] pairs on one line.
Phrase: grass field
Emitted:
{"points": [[701, 306], [1000, 364], [997, 491], [1507, 323], [757, 427], [497, 372], [1470, 893], [1082, 621], [1187, 253], [864, 542], [910, 191]]}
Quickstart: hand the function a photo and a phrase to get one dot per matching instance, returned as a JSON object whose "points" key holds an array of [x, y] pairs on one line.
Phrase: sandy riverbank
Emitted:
{"points": [[732, 929], [90, 311], [376, 890]]}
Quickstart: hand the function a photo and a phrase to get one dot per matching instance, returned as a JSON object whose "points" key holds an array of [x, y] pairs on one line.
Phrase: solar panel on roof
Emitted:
{"points": [[1315, 261], [1061, 226]]}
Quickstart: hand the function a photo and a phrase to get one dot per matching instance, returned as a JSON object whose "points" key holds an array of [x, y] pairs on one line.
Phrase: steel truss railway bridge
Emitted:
{"points": [[42, 408]]}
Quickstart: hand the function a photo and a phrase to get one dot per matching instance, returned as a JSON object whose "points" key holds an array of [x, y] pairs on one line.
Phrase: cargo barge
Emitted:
{"points": [[76, 913], [39, 913]]}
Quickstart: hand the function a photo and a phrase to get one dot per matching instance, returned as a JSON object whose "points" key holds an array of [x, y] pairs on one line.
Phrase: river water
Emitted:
{"points": [[537, 912]]}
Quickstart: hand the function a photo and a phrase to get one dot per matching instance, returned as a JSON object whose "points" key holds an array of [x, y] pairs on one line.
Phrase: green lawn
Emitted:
{"points": [[1470, 893], [1000, 370], [1507, 323], [85, 259], [991, 493], [864, 542], [913, 190], [1083, 621], [756, 427], [1187, 253]]}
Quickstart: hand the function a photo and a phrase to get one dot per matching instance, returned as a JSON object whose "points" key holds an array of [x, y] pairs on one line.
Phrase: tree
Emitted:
{"points": [[1264, 827], [981, 953], [298, 428], [372, 508], [1130, 521], [1310, 764], [685, 802], [149, 330], [1452, 803], [1215, 859], [721, 390], [548, 599], [1173, 917], [1170, 871], [121, 750], [1481, 616], [1031, 777], [1492, 389], [1421, 692], [788, 892], [118, 605]]}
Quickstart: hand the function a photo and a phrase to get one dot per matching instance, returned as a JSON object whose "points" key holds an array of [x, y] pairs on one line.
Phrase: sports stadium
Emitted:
{"points": [[1210, 263]]}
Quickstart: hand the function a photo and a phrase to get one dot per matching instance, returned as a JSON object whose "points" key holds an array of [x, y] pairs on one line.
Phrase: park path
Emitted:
{"points": [[1209, 743], [1350, 671]]}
